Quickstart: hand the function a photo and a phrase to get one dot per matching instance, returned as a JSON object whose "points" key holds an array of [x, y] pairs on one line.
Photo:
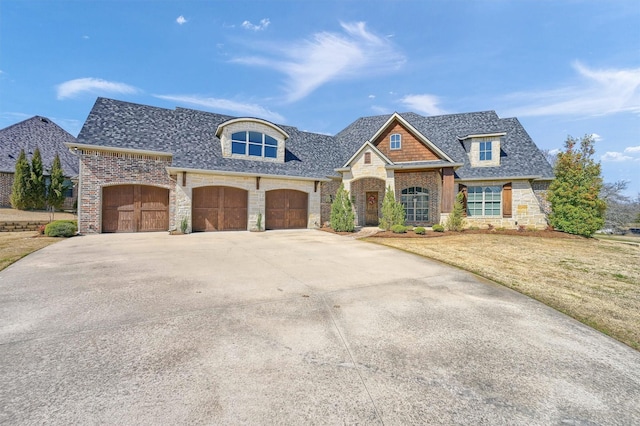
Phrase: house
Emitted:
{"points": [[144, 168], [36, 132]]}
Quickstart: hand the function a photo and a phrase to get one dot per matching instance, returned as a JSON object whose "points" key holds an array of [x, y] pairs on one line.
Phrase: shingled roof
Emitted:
{"points": [[37, 132], [190, 137]]}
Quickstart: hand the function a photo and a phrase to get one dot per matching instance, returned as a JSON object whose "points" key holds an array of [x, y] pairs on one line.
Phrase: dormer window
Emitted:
{"points": [[254, 144], [485, 151], [395, 141]]}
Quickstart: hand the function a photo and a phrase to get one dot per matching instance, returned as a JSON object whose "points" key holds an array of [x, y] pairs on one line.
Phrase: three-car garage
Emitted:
{"points": [[145, 208]]}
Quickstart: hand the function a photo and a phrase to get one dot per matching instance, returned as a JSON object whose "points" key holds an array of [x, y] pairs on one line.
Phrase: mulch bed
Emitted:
{"points": [[433, 234]]}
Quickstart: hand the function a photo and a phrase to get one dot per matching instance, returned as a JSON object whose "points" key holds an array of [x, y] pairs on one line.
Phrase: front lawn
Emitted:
{"points": [[596, 282], [16, 245]]}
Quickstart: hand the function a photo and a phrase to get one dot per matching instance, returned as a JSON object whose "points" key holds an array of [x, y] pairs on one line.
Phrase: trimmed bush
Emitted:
{"points": [[438, 228], [419, 230], [61, 228], [392, 211], [398, 229], [342, 215]]}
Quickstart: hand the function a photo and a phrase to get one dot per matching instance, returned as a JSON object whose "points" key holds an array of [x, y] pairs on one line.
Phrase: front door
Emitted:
{"points": [[371, 215]]}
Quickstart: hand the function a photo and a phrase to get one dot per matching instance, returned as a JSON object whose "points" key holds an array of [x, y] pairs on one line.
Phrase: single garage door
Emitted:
{"points": [[219, 208], [286, 209], [135, 208]]}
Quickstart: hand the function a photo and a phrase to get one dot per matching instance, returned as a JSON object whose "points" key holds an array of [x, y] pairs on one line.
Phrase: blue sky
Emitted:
{"points": [[562, 67]]}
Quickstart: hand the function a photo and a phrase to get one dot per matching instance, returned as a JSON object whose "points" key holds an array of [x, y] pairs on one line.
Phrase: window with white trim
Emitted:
{"points": [[485, 151], [395, 141], [415, 201], [484, 201], [254, 144]]}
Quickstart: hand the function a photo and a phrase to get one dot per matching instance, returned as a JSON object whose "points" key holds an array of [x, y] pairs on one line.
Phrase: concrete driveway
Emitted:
{"points": [[298, 327]]}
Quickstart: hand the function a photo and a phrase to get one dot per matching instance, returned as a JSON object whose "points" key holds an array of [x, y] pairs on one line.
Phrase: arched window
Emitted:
{"points": [[416, 204], [255, 144]]}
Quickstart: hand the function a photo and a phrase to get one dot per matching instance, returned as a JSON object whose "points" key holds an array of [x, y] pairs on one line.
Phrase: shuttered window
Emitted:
{"points": [[484, 201]]}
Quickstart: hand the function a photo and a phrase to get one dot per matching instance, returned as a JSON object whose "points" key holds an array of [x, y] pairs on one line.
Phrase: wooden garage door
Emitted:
{"points": [[219, 208], [135, 208], [286, 209]]}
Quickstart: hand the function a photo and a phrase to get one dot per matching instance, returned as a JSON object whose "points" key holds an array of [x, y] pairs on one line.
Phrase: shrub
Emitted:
{"points": [[184, 225], [398, 229], [37, 189], [342, 216], [455, 220], [392, 211], [41, 229], [419, 230], [61, 228], [474, 228], [438, 228], [55, 195]]}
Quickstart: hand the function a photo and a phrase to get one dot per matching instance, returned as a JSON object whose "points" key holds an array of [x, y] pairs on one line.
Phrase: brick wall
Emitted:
{"points": [[6, 185], [429, 180], [411, 148], [359, 188], [99, 169], [327, 194]]}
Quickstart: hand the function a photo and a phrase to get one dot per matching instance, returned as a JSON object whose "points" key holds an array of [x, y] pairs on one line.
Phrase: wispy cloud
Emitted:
{"points": [[425, 104], [633, 149], [615, 157], [328, 56], [264, 23], [597, 92], [218, 104], [181, 20], [72, 88]]}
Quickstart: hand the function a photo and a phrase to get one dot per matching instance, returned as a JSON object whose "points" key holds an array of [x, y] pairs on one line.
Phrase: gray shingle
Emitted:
{"points": [[189, 135], [37, 132]]}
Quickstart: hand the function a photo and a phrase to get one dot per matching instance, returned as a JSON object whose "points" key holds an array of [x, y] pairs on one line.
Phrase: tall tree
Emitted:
{"points": [[392, 211], [38, 187], [342, 216], [576, 207], [55, 195], [21, 183]]}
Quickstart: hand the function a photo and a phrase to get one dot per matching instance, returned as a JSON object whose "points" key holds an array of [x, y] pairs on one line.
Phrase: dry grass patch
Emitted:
{"points": [[596, 282], [16, 245]]}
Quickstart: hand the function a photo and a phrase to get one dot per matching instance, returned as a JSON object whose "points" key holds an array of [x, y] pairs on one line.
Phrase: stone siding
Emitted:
{"points": [[429, 180], [474, 152], [100, 169], [526, 210], [540, 189], [257, 197], [251, 126]]}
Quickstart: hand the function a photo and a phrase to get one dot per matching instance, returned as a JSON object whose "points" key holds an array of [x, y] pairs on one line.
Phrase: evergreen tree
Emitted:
{"points": [[392, 211], [55, 195], [21, 183], [455, 220], [342, 216], [37, 190], [574, 193]]}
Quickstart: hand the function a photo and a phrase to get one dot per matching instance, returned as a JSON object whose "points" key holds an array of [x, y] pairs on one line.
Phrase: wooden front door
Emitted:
{"points": [[219, 208], [371, 213], [135, 208], [286, 209]]}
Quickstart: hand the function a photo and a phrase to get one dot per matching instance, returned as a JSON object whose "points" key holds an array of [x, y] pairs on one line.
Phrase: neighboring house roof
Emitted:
{"points": [[37, 132], [190, 137]]}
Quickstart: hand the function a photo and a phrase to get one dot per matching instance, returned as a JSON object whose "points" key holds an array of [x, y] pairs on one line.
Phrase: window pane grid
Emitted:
{"points": [[484, 201], [415, 201], [259, 144]]}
